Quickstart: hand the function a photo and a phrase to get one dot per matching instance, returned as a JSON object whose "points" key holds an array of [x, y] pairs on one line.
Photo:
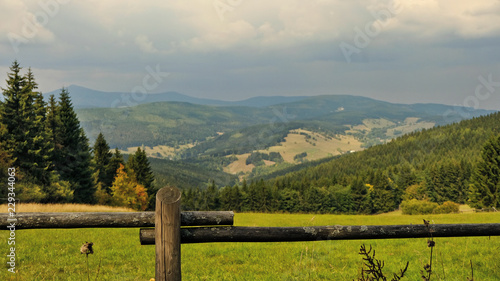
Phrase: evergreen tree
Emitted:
{"points": [[5, 161], [73, 157], [139, 163], [13, 137], [53, 128], [23, 137], [102, 161], [116, 160], [358, 194], [39, 144], [485, 186]]}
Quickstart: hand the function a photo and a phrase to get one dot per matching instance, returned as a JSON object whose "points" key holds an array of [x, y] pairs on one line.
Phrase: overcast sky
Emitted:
{"points": [[400, 51]]}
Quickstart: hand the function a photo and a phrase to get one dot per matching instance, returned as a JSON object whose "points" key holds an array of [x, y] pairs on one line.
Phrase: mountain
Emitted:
{"points": [[267, 101], [180, 123], [440, 165], [88, 98], [434, 164]]}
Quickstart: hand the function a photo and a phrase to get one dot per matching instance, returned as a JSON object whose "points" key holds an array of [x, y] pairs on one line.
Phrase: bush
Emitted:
{"points": [[418, 207], [448, 207]]}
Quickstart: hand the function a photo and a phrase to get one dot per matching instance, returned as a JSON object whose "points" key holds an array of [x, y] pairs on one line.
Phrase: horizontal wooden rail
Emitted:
{"points": [[316, 233], [108, 219]]}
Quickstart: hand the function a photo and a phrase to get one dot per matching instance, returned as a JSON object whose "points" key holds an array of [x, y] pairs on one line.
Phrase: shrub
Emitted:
{"points": [[418, 207], [448, 207]]}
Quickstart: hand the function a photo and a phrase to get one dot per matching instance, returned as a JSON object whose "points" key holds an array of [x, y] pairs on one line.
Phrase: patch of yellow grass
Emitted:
{"points": [[159, 151], [35, 207], [239, 165], [410, 125], [466, 209], [316, 149], [319, 147]]}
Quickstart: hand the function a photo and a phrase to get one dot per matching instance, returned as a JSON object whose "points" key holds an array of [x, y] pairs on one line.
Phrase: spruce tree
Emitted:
{"points": [[139, 163], [12, 137], [485, 186], [53, 128], [114, 162], [102, 159], [24, 138], [73, 157], [5, 161], [39, 144]]}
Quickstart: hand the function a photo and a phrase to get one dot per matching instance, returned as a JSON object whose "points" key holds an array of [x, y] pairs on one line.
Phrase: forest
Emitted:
{"points": [[457, 163], [45, 145]]}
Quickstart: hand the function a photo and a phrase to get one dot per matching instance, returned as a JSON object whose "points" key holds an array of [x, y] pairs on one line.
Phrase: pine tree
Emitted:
{"points": [[12, 138], [5, 161], [114, 163], [102, 160], [358, 193], [73, 158], [140, 164], [53, 128], [24, 137], [485, 186], [39, 144]]}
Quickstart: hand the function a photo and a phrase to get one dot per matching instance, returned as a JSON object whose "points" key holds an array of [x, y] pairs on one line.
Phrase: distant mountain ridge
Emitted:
{"points": [[88, 98], [180, 123]]}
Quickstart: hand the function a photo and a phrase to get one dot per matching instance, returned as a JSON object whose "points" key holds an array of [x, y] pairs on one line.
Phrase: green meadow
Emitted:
{"points": [[53, 254]]}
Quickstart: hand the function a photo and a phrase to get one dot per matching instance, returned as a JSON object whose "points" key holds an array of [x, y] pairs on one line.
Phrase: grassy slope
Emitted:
{"points": [[318, 146], [54, 254]]}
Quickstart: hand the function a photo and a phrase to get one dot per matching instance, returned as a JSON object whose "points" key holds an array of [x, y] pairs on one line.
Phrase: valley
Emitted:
{"points": [[302, 145]]}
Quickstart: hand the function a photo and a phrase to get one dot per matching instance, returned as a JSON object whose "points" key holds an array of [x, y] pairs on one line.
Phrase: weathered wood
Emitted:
{"points": [[316, 233], [109, 219], [167, 231]]}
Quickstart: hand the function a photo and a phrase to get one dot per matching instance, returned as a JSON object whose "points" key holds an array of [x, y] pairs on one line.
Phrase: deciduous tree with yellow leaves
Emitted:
{"points": [[127, 192]]}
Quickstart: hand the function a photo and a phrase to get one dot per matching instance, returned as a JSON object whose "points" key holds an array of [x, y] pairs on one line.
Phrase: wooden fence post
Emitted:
{"points": [[168, 234]]}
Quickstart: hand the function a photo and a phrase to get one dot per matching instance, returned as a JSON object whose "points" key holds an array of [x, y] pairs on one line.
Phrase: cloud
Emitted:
{"points": [[259, 46], [145, 44], [24, 24]]}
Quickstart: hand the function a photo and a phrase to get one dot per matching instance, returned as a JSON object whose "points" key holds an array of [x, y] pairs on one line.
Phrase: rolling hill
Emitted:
{"points": [[436, 165], [175, 123], [436, 161], [300, 130]]}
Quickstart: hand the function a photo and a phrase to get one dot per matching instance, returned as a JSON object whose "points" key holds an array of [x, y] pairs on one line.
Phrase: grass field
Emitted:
{"points": [[54, 254], [319, 146]]}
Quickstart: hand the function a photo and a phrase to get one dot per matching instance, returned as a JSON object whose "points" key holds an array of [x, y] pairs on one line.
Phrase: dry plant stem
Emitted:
{"points": [[375, 266], [88, 271], [472, 271], [98, 269], [431, 244]]}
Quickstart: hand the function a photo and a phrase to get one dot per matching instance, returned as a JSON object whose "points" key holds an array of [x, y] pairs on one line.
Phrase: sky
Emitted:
{"points": [[413, 51]]}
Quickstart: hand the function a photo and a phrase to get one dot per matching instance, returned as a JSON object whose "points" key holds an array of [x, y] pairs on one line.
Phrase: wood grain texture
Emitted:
{"points": [[317, 233], [109, 219], [167, 230]]}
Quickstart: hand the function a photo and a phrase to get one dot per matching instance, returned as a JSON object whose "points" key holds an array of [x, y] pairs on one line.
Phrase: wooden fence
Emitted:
{"points": [[168, 234]]}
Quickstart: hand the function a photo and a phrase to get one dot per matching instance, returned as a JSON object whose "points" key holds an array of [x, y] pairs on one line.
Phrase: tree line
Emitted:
{"points": [[54, 162]]}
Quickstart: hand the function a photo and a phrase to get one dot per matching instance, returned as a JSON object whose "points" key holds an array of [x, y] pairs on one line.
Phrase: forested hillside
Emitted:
{"points": [[45, 155], [446, 163], [178, 123]]}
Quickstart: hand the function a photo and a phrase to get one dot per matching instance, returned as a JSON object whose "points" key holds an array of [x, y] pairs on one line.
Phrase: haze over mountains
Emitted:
{"points": [[88, 98]]}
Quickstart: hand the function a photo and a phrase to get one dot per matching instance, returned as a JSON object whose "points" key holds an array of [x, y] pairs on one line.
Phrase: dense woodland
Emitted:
{"points": [[458, 163], [53, 162]]}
